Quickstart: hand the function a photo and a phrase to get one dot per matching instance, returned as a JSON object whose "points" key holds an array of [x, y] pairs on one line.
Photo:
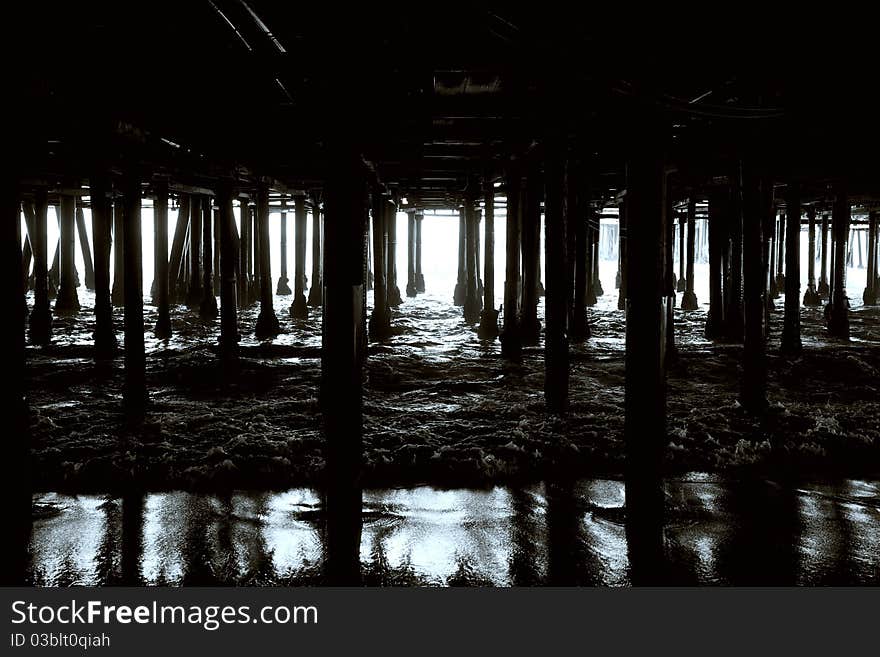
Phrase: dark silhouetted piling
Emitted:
{"points": [[753, 391], [40, 321], [162, 330], [135, 388], [511, 345], [393, 290], [472, 299], [811, 296], [682, 250], [579, 185], [267, 322], [68, 301], [780, 255], [869, 296], [791, 328], [530, 328], [689, 299], [838, 311], [283, 287], [734, 311], [299, 309], [117, 295], [489, 316], [716, 227], [773, 238], [316, 291], [195, 295], [411, 290], [228, 285], [176, 283], [420, 277], [646, 317], [460, 293], [244, 255], [380, 320], [621, 214], [342, 363], [102, 213], [85, 248], [823, 289], [556, 358], [208, 306]]}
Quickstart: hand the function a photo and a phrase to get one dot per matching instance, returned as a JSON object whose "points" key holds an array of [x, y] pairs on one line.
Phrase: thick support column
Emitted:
{"points": [[117, 295], [380, 320], [267, 322], [85, 248], [369, 239], [342, 363], [228, 284], [256, 240], [420, 278], [734, 312], [472, 299], [838, 307], [489, 316], [478, 217], [195, 294], [68, 300], [716, 227], [621, 213], [299, 308], [162, 330], [791, 330], [869, 296], [646, 317], [753, 394], [135, 388], [102, 220], [598, 291], [591, 219], [461, 283], [780, 255], [411, 290], [579, 189], [215, 286], [316, 291], [557, 288], [773, 288], [394, 298], [176, 284], [208, 306], [283, 288], [40, 321], [27, 254], [682, 275], [530, 327], [668, 249], [689, 300], [244, 255], [767, 250], [823, 266], [510, 338]]}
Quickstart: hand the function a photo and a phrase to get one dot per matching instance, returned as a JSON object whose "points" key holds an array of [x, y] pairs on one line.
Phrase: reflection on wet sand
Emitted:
{"points": [[561, 533]]}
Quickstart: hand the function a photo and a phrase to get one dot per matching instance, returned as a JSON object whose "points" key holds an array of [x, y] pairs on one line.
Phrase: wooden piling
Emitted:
{"points": [[68, 301], [316, 290], [40, 321], [162, 329], [102, 221], [299, 308]]}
